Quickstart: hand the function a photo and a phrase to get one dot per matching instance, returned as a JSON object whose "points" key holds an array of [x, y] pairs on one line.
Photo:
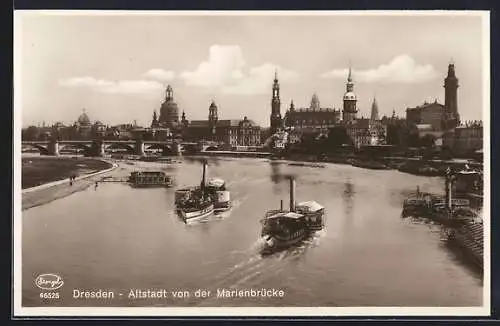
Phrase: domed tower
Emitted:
{"points": [[349, 112], [275, 106], [169, 112], [83, 120]]}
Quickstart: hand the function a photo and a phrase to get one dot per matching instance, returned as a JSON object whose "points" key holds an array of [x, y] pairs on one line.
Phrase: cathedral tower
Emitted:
{"points": [[450, 97], [212, 117], [315, 103], [374, 113], [275, 106], [349, 112]]}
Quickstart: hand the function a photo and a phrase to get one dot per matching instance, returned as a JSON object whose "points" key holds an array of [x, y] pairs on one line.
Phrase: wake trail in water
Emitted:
{"points": [[255, 265]]}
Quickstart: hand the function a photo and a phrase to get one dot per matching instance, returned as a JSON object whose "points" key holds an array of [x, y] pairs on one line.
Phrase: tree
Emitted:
{"points": [[337, 136], [428, 141], [413, 140], [30, 133]]}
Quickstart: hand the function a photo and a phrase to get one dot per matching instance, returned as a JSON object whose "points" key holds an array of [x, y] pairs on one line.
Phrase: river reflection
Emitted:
{"points": [[121, 238]]}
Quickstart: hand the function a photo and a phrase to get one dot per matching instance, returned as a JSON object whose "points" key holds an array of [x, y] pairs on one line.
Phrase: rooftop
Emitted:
{"points": [[425, 105]]}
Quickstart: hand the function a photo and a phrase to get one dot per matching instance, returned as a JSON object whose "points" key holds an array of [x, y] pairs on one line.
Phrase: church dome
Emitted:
{"points": [[349, 96], [170, 105], [169, 112], [83, 119]]}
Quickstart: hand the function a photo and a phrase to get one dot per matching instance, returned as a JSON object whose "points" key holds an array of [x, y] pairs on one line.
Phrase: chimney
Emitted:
{"points": [[292, 194]]}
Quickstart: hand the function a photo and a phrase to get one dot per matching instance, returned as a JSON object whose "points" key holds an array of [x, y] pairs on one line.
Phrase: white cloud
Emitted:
{"points": [[113, 87], [160, 74], [224, 64], [259, 79], [226, 69], [402, 69]]}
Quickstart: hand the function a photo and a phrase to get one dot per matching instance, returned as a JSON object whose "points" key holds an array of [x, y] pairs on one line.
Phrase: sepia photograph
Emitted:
{"points": [[266, 163]]}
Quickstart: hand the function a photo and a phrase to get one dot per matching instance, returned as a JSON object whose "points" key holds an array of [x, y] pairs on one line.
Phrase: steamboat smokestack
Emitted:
{"points": [[281, 205], [204, 174], [447, 189], [292, 194]]}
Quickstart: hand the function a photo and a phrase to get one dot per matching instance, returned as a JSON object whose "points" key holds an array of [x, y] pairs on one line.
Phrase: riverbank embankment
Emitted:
{"points": [[55, 172]]}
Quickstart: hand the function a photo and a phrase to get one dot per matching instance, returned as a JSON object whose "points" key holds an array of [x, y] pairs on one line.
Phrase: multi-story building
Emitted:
{"points": [[366, 132], [230, 132], [432, 114], [440, 117], [311, 119], [465, 139]]}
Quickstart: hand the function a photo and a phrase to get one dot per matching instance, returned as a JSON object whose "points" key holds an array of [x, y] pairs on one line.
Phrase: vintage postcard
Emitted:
{"points": [[252, 163]]}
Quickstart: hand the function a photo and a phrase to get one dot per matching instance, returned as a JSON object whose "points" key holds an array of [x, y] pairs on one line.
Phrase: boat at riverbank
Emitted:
{"points": [[142, 179], [282, 229], [194, 203], [469, 237], [369, 164]]}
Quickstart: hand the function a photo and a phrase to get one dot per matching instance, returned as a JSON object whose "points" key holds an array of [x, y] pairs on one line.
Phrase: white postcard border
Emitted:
{"points": [[19, 311]]}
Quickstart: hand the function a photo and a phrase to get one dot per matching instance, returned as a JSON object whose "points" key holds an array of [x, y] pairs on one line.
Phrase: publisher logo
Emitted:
{"points": [[49, 281]]}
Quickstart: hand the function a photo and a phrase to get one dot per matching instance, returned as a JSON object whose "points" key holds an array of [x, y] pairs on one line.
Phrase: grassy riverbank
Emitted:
{"points": [[40, 170]]}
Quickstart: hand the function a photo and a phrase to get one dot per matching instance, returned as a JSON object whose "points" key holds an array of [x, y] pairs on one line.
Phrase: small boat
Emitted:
{"points": [[373, 165], [282, 229], [141, 179]]}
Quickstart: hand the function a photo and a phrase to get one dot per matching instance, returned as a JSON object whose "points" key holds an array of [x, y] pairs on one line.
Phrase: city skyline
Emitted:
{"points": [[117, 67]]}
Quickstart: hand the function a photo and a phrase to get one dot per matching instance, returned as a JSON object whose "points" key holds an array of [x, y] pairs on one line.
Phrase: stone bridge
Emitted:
{"points": [[100, 147]]}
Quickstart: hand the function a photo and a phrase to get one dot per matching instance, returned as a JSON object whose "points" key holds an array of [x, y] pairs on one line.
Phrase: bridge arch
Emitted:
{"points": [[85, 148], [42, 149], [189, 148], [129, 148], [211, 149], [166, 150]]}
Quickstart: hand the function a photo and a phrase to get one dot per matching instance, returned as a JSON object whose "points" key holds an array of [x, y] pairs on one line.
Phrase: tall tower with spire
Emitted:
{"points": [[450, 97], [154, 123], [212, 117], [374, 112], [349, 112], [275, 118], [315, 102]]}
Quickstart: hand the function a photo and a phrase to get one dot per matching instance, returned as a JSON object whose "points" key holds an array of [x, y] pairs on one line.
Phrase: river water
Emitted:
{"points": [[116, 238]]}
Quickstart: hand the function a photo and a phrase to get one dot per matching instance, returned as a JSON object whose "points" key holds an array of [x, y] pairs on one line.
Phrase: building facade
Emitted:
{"points": [[228, 132], [440, 117], [465, 139], [312, 119], [432, 114]]}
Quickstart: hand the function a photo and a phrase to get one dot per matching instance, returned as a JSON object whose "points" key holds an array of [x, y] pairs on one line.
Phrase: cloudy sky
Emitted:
{"points": [[117, 66]]}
